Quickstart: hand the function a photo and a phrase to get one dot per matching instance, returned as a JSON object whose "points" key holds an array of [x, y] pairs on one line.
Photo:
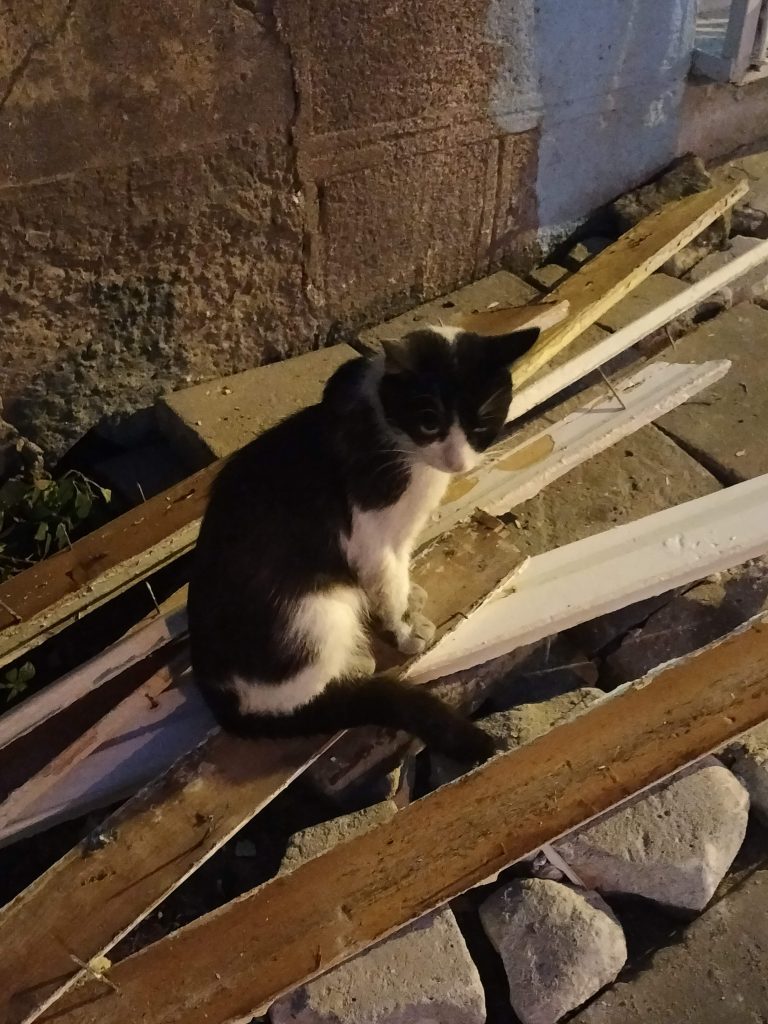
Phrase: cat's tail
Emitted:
{"points": [[384, 700]]}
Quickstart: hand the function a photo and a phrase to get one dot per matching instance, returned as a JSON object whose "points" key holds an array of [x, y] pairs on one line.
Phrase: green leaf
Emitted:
{"points": [[83, 504], [41, 532]]}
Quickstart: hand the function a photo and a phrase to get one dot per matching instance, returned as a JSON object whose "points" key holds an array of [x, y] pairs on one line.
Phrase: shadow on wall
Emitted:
{"points": [[604, 82]]}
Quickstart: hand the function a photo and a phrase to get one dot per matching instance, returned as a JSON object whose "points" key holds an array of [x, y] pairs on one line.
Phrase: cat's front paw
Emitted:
{"points": [[415, 635]]}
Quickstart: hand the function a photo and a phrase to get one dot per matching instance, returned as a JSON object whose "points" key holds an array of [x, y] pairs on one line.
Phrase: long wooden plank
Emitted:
{"points": [[614, 272], [234, 962], [44, 599], [597, 575], [163, 834], [556, 380]]}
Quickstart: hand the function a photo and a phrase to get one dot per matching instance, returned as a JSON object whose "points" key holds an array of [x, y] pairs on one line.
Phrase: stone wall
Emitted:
{"points": [[194, 187]]}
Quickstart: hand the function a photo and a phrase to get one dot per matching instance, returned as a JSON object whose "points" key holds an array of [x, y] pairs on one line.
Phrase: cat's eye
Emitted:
{"points": [[429, 426]]}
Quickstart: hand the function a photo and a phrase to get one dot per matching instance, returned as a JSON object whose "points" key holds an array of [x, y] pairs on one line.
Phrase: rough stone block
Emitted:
{"points": [[423, 973], [750, 764], [748, 220], [585, 250], [213, 420], [547, 277], [644, 474], [752, 285], [649, 294], [518, 726], [692, 619], [501, 288], [712, 974], [672, 845], [559, 946], [683, 177], [728, 433]]}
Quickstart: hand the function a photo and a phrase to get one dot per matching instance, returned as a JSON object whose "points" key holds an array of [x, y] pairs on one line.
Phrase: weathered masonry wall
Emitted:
{"points": [[194, 187]]}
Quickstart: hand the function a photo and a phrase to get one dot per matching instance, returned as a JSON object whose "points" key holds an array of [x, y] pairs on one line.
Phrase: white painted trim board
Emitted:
{"points": [[600, 574], [651, 392]]}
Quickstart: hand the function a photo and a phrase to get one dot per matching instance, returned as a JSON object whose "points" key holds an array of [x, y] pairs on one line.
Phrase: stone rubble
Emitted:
{"points": [[750, 764], [559, 946], [672, 845]]}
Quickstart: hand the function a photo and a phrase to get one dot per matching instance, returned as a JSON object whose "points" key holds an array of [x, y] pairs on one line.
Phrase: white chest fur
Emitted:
{"points": [[397, 526]]}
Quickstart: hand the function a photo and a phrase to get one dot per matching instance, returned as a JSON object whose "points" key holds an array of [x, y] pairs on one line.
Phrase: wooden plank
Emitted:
{"points": [[516, 472], [42, 600], [505, 319], [161, 836], [556, 380], [333, 907], [614, 272], [741, 36], [597, 575]]}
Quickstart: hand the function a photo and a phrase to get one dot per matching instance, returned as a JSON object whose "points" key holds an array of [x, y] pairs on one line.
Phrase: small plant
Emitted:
{"points": [[44, 515], [16, 680]]}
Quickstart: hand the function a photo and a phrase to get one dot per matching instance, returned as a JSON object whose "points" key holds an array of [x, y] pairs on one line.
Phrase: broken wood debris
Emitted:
{"points": [[42, 600], [508, 808], [173, 826]]}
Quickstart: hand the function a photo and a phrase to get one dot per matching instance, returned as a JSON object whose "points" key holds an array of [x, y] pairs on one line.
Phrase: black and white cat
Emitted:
{"points": [[309, 533]]}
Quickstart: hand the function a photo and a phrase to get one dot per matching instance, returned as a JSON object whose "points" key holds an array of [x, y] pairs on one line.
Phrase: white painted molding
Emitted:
{"points": [[572, 584], [651, 392]]}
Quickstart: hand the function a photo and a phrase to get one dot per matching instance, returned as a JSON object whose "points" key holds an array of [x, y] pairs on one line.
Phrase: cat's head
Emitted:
{"points": [[446, 392]]}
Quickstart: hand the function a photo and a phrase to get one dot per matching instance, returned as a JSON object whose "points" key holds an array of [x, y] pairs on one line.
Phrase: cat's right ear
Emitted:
{"points": [[396, 357]]}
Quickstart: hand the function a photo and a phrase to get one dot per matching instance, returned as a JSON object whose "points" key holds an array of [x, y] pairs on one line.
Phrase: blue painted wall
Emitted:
{"points": [[604, 82]]}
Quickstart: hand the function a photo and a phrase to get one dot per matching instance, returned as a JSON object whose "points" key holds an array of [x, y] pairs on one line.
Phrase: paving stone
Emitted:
{"points": [[518, 726], [421, 975], [559, 946], [752, 285], [209, 421], [548, 276], [692, 620], [649, 294], [643, 474], [585, 250], [714, 974], [750, 764], [672, 845], [754, 165], [501, 288], [727, 434]]}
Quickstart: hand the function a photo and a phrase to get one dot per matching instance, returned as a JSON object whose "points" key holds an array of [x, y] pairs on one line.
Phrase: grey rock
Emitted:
{"points": [[750, 765], [672, 845], [559, 946], [752, 285]]}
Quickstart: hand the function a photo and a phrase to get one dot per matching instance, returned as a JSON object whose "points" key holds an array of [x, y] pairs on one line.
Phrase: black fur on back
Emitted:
{"points": [[272, 535]]}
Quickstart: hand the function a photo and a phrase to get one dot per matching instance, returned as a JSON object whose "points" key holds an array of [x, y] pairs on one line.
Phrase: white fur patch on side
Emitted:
{"points": [[333, 625]]}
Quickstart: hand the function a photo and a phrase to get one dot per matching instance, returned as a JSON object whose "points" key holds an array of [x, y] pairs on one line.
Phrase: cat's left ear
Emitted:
{"points": [[506, 349]]}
